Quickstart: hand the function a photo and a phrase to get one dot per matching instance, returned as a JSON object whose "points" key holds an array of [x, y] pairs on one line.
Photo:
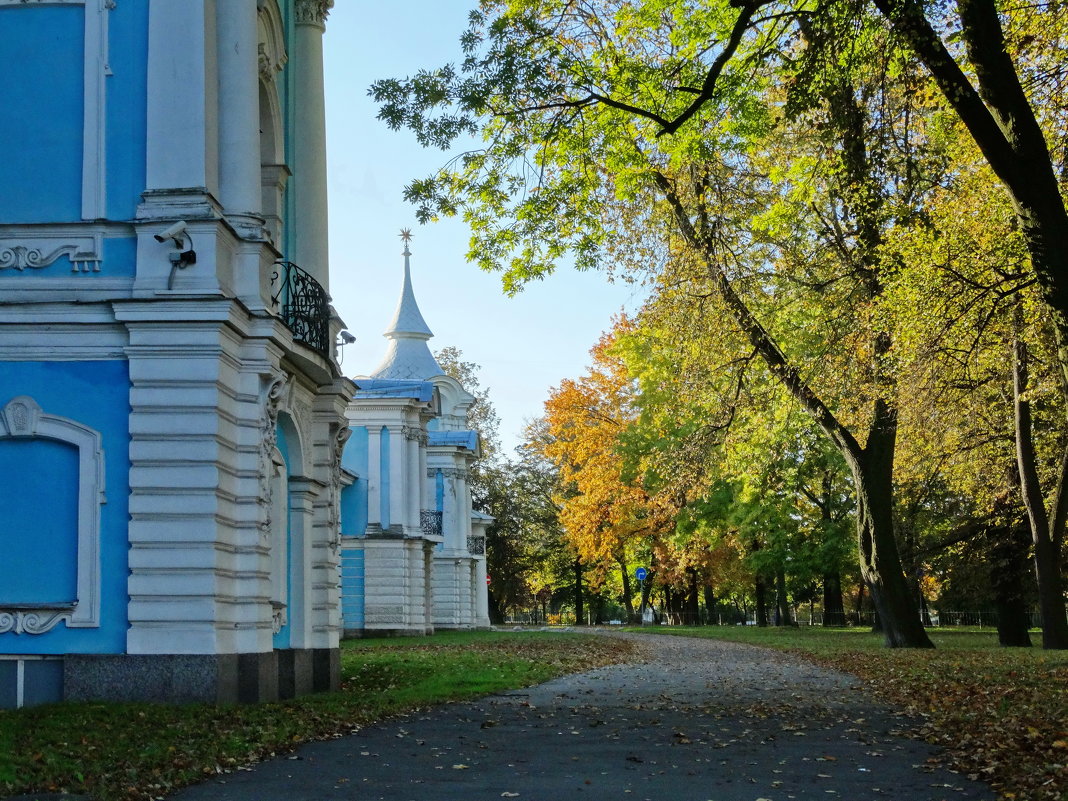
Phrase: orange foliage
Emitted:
{"points": [[601, 512]]}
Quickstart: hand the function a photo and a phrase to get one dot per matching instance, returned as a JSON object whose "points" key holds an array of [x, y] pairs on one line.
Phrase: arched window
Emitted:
{"points": [[273, 170], [74, 457]]}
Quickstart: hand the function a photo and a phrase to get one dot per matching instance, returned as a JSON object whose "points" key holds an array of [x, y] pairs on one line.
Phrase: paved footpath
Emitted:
{"points": [[699, 720]]}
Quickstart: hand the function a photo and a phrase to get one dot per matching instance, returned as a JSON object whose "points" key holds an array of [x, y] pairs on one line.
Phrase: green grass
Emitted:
{"points": [[1001, 714], [122, 752]]}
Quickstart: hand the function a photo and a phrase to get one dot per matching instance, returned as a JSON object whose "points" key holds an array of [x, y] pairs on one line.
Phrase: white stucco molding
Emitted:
{"points": [[23, 418], [34, 248], [272, 39], [96, 70]]}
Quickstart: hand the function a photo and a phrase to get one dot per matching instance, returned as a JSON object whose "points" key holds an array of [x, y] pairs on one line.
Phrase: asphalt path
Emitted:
{"points": [[697, 720]]}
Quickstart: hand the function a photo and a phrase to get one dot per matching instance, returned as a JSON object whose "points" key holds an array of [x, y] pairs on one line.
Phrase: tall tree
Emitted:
{"points": [[612, 141]]}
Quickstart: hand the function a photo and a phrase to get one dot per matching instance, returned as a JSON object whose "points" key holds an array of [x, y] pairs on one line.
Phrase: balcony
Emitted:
{"points": [[303, 305], [476, 545], [430, 522]]}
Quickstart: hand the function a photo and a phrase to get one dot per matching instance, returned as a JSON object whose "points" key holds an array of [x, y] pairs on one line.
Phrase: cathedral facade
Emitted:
{"points": [[172, 415]]}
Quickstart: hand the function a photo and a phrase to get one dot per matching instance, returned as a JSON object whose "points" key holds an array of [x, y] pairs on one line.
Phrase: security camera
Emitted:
{"points": [[173, 232], [347, 338]]}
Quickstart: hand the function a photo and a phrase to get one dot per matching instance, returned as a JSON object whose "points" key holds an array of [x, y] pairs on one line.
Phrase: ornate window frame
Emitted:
{"points": [[97, 69], [23, 418]]}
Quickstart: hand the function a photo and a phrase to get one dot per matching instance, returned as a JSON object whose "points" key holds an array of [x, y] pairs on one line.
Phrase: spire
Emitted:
{"points": [[408, 320], [408, 355]]}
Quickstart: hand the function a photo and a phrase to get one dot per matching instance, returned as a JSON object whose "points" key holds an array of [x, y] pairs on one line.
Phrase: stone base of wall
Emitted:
{"points": [[210, 678], [359, 634]]}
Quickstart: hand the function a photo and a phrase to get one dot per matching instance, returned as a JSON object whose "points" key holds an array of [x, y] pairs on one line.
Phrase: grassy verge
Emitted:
{"points": [[1001, 714], [122, 752]]}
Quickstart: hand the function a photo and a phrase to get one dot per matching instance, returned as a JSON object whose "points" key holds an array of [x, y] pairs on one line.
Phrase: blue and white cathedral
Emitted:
{"points": [[196, 504]]}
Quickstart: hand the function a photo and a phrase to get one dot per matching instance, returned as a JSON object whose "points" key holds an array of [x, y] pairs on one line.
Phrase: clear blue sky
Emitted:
{"points": [[525, 344]]}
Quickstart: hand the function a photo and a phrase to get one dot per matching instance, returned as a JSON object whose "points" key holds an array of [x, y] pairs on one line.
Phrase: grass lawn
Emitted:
{"points": [[1001, 714], [140, 751]]}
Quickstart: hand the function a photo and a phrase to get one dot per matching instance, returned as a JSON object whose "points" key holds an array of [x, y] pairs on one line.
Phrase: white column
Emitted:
{"points": [[374, 476], [182, 105], [308, 185], [481, 592], [239, 114], [415, 485], [398, 474], [463, 514]]}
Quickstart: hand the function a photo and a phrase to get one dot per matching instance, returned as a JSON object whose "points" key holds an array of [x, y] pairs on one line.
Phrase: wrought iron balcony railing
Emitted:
{"points": [[430, 522], [476, 545], [305, 306]]}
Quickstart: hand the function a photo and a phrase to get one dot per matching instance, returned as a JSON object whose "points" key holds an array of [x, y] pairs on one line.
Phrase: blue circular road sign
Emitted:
{"points": [[641, 573]]}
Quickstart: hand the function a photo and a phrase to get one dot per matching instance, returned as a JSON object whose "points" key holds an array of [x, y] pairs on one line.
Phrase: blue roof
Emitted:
{"points": [[462, 439], [394, 388]]}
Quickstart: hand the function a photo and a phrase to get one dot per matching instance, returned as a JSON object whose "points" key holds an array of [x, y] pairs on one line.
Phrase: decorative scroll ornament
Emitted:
{"points": [[313, 12], [25, 250], [36, 621], [20, 258], [334, 489], [268, 441]]}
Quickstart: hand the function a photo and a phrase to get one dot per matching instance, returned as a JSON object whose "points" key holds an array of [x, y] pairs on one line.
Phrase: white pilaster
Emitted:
{"points": [[374, 481], [182, 99], [398, 475]]}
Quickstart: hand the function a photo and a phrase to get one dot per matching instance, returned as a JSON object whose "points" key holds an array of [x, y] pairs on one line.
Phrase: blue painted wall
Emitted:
{"points": [[127, 89], [43, 79], [95, 394], [354, 497], [120, 258], [39, 535]]}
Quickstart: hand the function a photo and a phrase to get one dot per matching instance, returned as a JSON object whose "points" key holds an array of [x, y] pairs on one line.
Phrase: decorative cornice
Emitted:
{"points": [[418, 434], [313, 12], [447, 472]]}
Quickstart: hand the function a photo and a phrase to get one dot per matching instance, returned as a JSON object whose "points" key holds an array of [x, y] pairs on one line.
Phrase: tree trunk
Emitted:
{"points": [[693, 600], [1044, 527], [782, 606], [880, 564], [833, 608], [496, 613], [580, 612], [760, 593], [628, 601], [710, 605], [1007, 557]]}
